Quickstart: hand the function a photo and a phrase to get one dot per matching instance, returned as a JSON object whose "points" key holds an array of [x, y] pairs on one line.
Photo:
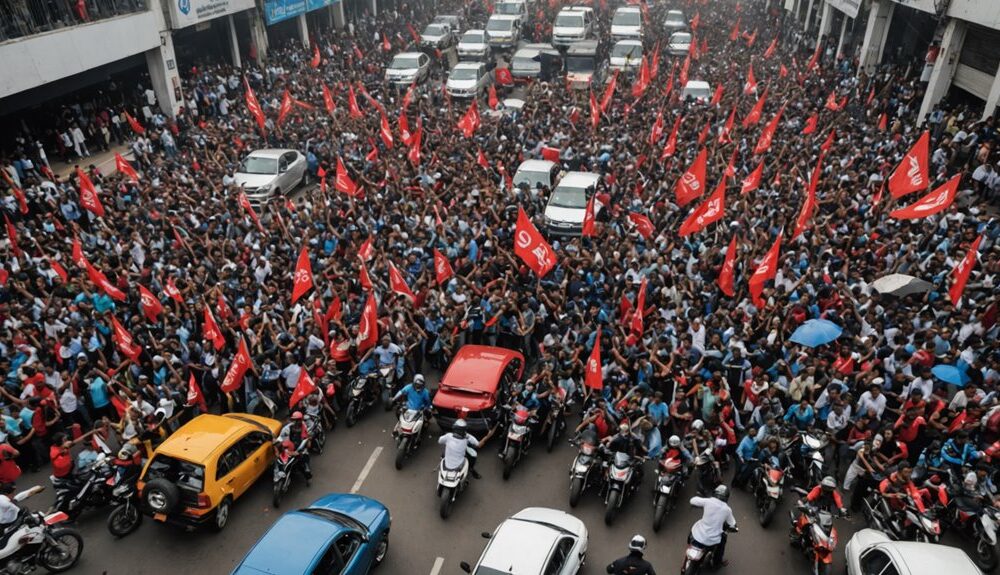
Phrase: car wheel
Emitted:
{"points": [[382, 549], [222, 515], [161, 496]]}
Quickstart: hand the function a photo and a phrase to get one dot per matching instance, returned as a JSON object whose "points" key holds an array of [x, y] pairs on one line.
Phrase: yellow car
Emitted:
{"points": [[196, 474]]}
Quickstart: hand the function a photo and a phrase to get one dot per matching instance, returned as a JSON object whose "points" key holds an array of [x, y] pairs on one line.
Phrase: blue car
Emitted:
{"points": [[338, 534]]}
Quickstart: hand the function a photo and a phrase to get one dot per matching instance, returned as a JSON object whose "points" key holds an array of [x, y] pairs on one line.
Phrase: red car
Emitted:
{"points": [[477, 382]]}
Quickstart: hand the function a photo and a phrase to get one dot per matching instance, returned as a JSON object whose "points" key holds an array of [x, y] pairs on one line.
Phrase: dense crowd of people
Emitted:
{"points": [[221, 272]]}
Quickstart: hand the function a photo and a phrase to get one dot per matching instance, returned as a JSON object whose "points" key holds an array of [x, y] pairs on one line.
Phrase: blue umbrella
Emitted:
{"points": [[816, 332], [951, 374]]}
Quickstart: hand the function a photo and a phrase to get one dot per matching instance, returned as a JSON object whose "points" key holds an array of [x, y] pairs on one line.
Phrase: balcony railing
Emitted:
{"points": [[20, 18]]}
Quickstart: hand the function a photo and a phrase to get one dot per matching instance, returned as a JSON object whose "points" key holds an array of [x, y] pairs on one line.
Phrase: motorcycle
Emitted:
{"points": [[38, 541], [708, 471], [813, 462], [519, 434], [285, 460], [316, 431], [408, 434], [769, 483], [555, 421], [980, 527], [620, 482], [907, 524], [450, 483], [126, 516], [360, 397], [580, 476], [387, 381], [697, 556], [90, 488], [670, 477], [814, 532]]}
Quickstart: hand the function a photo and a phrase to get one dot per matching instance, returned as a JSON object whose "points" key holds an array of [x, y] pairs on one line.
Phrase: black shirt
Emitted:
{"points": [[631, 564]]}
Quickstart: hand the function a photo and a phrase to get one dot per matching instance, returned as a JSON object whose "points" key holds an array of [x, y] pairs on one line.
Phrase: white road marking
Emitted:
{"points": [[438, 564], [367, 469]]}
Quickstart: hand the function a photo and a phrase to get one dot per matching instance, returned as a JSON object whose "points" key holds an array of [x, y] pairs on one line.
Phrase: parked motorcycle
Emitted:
{"points": [[450, 483], [622, 479], [555, 421], [518, 437], [814, 532], [696, 556], [980, 527], [88, 489], [768, 485], [670, 477], [361, 396], [408, 434], [38, 540], [580, 473], [286, 459]]}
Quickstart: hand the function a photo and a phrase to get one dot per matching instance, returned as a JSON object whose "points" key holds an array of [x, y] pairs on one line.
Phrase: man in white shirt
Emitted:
{"points": [[710, 530], [873, 399], [458, 446]]}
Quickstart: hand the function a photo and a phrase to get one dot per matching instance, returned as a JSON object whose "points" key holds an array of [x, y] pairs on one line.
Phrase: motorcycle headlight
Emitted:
{"points": [[930, 525]]}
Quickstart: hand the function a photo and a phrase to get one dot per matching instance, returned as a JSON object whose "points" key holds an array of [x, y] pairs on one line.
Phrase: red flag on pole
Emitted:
{"points": [[98, 278], [151, 306], [717, 95], [368, 325], [134, 124], [809, 206], [328, 102], [771, 48], [636, 323], [531, 247], [88, 194], [303, 280], [932, 203], [657, 130], [124, 340], [752, 181], [385, 131], [751, 84], [728, 272], [352, 103], [683, 77], [237, 369], [303, 388], [60, 271], [367, 250], [245, 204], [766, 271], [344, 183], [671, 146], [593, 378], [12, 236], [22, 201], [754, 116], [77, 253], [810, 125], [122, 165], [194, 395], [504, 77], [642, 223], [912, 173], [595, 111], [589, 218], [961, 272], [551, 154], [254, 106], [492, 101], [364, 279], [285, 108], [398, 284], [469, 122], [609, 93], [709, 212], [767, 134], [725, 135], [442, 268], [316, 59], [211, 330], [172, 292], [691, 185]]}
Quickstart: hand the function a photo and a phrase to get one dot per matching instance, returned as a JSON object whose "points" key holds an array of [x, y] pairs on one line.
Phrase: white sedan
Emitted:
{"points": [[270, 172], [871, 552], [468, 80], [535, 541]]}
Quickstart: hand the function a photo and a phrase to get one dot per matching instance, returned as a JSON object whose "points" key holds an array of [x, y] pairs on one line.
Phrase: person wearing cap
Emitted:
{"points": [[634, 563]]}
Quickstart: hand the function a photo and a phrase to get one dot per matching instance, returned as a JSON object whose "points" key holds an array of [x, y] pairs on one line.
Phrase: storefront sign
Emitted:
{"points": [[184, 13], [278, 10], [849, 7]]}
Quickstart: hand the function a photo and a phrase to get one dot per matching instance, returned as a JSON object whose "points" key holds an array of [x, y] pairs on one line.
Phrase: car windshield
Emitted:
{"points": [[626, 18], [258, 165], [530, 178], [579, 64], [335, 517], [697, 92], [481, 570], [435, 30], [463, 74], [633, 51], [498, 25], [405, 62], [568, 198], [675, 18], [523, 62], [569, 20], [680, 38], [508, 8], [473, 38], [184, 474]]}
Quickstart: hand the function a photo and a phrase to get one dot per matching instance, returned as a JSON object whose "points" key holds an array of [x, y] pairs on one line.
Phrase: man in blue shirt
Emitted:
{"points": [[746, 453], [801, 415], [417, 396]]}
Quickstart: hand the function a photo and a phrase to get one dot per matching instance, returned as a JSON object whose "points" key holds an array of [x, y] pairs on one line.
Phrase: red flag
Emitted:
{"points": [[531, 247], [883, 122], [815, 58], [442, 268], [357, 52], [151, 306], [751, 39], [657, 130], [642, 82], [60, 271], [683, 78], [352, 103], [492, 101], [303, 280], [304, 388], [77, 254], [367, 250], [754, 116], [752, 182], [771, 48], [595, 111], [767, 269], [589, 218], [670, 81], [285, 108], [911, 175], [134, 124], [415, 141], [728, 272], [237, 369], [810, 125], [782, 71], [593, 378], [368, 325], [245, 204], [751, 84], [124, 340], [703, 135], [385, 131], [624, 310], [831, 101], [871, 97], [696, 20], [470, 120], [398, 284], [962, 271], [504, 77], [254, 106], [363, 278], [12, 236], [316, 59], [809, 206], [828, 143], [734, 34], [550, 154], [328, 102], [386, 45], [407, 99], [725, 135], [22, 201], [333, 312], [98, 278], [635, 326], [211, 330], [609, 93], [344, 183], [717, 96], [122, 165], [671, 145], [709, 212], [767, 134], [691, 185], [172, 292], [642, 223], [413, 33], [932, 203], [194, 395], [88, 194], [481, 160]]}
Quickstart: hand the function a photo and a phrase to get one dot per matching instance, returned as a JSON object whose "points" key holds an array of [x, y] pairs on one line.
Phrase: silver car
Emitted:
{"points": [[535, 541], [408, 68], [675, 21], [870, 552], [264, 174], [680, 43], [474, 45], [468, 80]]}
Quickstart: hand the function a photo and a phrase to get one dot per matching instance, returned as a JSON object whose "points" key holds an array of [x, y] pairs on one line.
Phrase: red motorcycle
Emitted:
{"points": [[813, 531]]}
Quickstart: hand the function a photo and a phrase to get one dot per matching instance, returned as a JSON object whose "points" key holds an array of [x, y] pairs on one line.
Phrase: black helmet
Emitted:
{"points": [[460, 429]]}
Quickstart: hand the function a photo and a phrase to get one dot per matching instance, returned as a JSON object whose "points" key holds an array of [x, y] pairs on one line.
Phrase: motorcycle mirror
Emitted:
{"points": [[486, 534], [465, 566]]}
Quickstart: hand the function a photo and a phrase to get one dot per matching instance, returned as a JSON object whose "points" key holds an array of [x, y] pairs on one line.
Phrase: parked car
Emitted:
{"points": [[194, 476], [337, 533], [468, 80], [408, 68], [453, 21], [527, 61], [675, 21], [626, 55], [871, 552], [698, 90], [535, 541], [264, 174], [572, 24], [476, 384], [437, 36], [627, 23], [535, 172], [503, 31], [512, 8], [474, 45], [679, 44], [567, 204]]}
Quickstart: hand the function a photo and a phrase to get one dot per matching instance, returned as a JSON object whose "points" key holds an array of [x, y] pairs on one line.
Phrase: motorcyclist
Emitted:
{"points": [[959, 452], [633, 563], [710, 530], [458, 446], [898, 486], [625, 442], [823, 496], [386, 354], [675, 450], [294, 436], [417, 396], [746, 456]]}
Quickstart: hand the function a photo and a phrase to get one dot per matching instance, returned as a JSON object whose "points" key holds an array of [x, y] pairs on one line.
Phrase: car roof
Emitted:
{"points": [[292, 545], [207, 434], [468, 66], [583, 47], [530, 50], [627, 9], [474, 31], [675, 13], [929, 558], [681, 33], [519, 546], [696, 84], [629, 43], [478, 367], [579, 180], [269, 153], [505, 17], [536, 165]]}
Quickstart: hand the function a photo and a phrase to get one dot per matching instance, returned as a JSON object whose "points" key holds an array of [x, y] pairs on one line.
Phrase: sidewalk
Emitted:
{"points": [[105, 162]]}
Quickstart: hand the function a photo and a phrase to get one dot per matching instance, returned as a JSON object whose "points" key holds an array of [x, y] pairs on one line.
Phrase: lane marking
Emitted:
{"points": [[438, 564], [367, 469]]}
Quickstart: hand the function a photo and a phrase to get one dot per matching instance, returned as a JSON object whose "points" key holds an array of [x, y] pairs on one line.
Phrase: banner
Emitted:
{"points": [[280, 10], [184, 13]]}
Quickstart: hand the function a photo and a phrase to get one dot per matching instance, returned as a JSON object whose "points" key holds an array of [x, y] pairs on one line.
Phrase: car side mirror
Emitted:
{"points": [[465, 566], [486, 534], [282, 169]]}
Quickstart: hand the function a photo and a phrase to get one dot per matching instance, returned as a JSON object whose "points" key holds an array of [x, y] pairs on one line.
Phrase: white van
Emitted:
{"points": [[567, 203], [572, 25], [698, 90], [626, 55], [626, 24], [503, 31]]}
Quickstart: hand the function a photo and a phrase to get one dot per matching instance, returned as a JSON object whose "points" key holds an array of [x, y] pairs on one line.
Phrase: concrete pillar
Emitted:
{"points": [[993, 100], [258, 36], [944, 67], [339, 19], [234, 42], [876, 33], [843, 30], [809, 13], [798, 7], [825, 23], [162, 65], [303, 27], [374, 6]]}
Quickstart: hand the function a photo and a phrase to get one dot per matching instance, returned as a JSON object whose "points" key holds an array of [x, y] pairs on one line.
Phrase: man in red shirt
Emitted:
{"points": [[9, 470], [61, 455]]}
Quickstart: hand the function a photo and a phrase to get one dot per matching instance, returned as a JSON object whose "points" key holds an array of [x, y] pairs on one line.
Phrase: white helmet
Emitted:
{"points": [[698, 425], [638, 543], [460, 428], [674, 441]]}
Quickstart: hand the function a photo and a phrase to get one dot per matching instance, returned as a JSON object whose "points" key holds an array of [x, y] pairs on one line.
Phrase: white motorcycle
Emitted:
{"points": [[451, 482], [36, 540], [408, 434]]}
